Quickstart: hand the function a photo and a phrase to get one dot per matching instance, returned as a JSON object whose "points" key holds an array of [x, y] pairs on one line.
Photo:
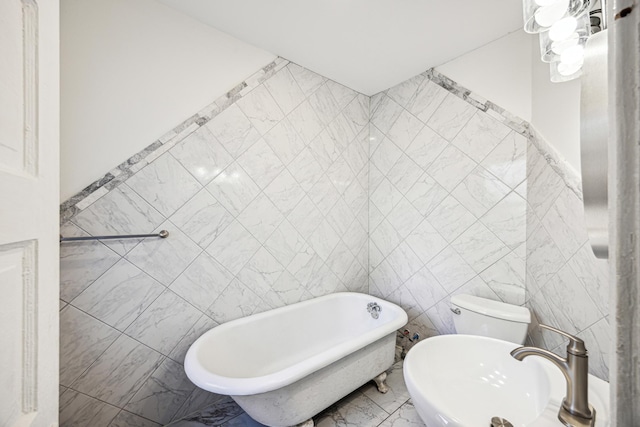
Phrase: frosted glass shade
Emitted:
{"points": [[540, 15], [563, 72], [564, 34]]}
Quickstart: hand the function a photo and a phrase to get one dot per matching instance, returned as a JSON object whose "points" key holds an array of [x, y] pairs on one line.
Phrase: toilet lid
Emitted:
{"points": [[497, 309]]}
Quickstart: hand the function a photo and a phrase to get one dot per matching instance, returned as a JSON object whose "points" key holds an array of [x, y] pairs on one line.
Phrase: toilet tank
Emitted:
{"points": [[480, 316]]}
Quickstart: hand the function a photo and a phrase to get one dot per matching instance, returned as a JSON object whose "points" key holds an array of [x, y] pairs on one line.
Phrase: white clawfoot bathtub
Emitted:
{"points": [[283, 366]]}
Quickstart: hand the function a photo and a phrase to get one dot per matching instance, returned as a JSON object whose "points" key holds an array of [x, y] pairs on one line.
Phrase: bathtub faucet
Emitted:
{"points": [[374, 309]]}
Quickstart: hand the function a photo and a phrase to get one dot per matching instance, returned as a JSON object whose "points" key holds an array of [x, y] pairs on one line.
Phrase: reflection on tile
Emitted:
{"points": [[508, 160], [202, 218], [164, 323], [120, 295], [82, 341], [202, 155], [80, 410], [165, 259], [202, 281], [162, 394], [165, 184], [234, 189], [81, 262], [119, 372]]}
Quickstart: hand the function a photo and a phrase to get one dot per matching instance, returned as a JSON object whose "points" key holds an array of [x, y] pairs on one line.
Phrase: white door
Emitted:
{"points": [[29, 176]]}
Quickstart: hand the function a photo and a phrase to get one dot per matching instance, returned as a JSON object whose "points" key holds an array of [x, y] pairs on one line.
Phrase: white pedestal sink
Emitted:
{"points": [[465, 380]]}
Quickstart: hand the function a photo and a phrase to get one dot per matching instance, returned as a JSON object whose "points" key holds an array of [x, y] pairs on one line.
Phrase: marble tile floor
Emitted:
{"points": [[365, 407]]}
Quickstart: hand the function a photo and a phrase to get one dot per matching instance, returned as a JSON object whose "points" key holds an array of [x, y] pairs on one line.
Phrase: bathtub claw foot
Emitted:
{"points": [[308, 423], [379, 380]]}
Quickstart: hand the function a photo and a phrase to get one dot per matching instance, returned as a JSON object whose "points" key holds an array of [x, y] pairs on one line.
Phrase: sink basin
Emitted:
{"points": [[465, 380]]}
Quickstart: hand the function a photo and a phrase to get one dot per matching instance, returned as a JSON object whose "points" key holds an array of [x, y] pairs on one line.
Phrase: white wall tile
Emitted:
{"points": [[164, 323], [285, 141], [202, 218], [426, 100], [285, 90], [119, 372], [479, 247], [426, 147], [508, 160], [480, 191], [480, 135], [234, 131], [261, 217], [451, 116], [426, 194], [202, 281], [405, 129], [83, 341], [450, 218], [202, 155], [261, 163], [234, 247], [451, 167], [120, 295], [233, 188], [165, 259]]}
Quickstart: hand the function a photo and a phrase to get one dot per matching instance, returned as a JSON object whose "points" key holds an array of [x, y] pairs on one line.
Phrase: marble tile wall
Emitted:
{"points": [[447, 210], [264, 194], [567, 286]]}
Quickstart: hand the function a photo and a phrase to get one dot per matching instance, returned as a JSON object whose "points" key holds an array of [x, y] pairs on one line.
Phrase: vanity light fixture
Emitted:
{"points": [[563, 27]]}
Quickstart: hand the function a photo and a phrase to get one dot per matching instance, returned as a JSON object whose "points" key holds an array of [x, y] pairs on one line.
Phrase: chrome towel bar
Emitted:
{"points": [[163, 234]]}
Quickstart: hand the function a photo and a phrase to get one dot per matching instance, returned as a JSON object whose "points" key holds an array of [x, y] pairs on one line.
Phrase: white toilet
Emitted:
{"points": [[480, 316]]}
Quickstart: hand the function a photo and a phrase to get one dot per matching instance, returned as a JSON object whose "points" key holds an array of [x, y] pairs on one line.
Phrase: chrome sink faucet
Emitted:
{"points": [[575, 410]]}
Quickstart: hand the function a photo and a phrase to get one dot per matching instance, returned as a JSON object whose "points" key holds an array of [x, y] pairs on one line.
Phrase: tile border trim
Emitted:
{"points": [[94, 191]]}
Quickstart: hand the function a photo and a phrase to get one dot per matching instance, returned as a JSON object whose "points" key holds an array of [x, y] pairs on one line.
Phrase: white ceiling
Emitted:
{"points": [[368, 45]]}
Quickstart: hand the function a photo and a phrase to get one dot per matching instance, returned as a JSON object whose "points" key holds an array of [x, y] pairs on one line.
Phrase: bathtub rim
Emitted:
{"points": [[231, 386]]}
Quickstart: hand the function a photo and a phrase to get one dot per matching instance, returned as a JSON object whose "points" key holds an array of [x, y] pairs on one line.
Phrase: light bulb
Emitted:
{"points": [[563, 28], [544, 2], [573, 55], [546, 16], [568, 69], [560, 46]]}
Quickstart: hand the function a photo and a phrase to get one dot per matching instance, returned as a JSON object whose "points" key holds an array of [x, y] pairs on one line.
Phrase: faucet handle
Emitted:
{"points": [[576, 345]]}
